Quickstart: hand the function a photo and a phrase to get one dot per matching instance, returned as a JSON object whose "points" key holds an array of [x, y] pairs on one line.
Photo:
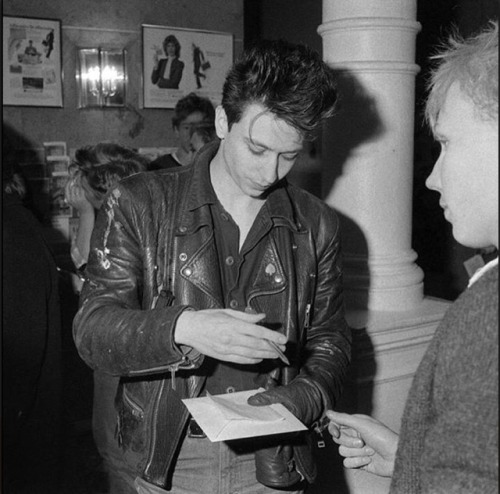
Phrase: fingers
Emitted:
{"points": [[357, 462], [357, 422], [255, 330], [260, 399], [345, 437], [252, 317], [356, 452], [234, 336]]}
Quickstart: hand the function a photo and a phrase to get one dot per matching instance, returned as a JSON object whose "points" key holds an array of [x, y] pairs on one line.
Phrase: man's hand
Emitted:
{"points": [[299, 397], [365, 442], [228, 335]]}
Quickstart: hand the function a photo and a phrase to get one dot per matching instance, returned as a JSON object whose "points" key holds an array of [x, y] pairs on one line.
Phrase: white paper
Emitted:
{"points": [[228, 416]]}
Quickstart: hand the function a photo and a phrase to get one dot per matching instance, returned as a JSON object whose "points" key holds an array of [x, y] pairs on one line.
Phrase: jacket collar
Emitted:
{"points": [[201, 193]]}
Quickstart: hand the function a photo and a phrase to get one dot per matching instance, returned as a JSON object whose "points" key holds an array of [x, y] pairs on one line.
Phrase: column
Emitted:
{"points": [[368, 148]]}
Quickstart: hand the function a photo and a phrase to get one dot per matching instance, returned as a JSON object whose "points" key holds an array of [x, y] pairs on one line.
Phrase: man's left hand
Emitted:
{"points": [[299, 397]]}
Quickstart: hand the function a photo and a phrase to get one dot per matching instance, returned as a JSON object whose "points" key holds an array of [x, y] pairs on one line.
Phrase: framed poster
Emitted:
{"points": [[178, 61], [32, 62]]}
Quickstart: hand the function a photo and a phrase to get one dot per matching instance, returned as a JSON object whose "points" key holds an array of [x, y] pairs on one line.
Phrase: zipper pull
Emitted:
{"points": [[307, 317], [320, 426], [172, 377]]}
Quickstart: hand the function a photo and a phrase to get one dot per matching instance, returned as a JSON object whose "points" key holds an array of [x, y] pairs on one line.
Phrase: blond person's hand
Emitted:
{"points": [[75, 196], [364, 442], [228, 335]]}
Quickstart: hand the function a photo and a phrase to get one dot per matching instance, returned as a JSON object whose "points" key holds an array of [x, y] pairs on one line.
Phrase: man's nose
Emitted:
{"points": [[270, 170]]}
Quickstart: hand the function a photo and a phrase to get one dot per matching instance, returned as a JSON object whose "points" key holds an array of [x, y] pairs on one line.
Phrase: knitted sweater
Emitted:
{"points": [[449, 434]]}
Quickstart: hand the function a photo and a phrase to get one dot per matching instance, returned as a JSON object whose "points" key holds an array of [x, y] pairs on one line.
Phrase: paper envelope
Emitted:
{"points": [[228, 416]]}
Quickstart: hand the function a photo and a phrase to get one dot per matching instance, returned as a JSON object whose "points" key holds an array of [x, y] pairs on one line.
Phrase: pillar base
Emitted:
{"points": [[390, 283]]}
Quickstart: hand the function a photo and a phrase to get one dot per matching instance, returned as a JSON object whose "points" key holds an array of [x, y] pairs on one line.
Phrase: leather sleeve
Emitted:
{"points": [[116, 330], [327, 337]]}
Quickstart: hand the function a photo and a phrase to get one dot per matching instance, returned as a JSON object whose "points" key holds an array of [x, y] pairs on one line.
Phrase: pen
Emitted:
{"points": [[279, 352]]}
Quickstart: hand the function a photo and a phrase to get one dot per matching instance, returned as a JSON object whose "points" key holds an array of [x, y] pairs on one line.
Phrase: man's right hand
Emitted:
{"points": [[365, 442], [228, 335]]}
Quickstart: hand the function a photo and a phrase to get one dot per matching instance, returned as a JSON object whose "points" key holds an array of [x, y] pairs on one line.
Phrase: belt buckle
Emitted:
{"points": [[194, 430]]}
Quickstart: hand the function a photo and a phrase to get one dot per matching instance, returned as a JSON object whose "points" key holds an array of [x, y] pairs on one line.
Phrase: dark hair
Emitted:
{"points": [[289, 80], [190, 104], [105, 164], [172, 39]]}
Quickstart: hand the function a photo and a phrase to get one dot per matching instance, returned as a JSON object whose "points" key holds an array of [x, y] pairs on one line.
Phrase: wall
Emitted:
{"points": [[116, 22]]}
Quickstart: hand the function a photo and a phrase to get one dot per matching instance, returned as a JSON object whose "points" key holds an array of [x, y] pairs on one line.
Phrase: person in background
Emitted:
{"points": [[31, 341], [167, 72], [197, 274], [192, 114], [449, 433], [94, 171]]}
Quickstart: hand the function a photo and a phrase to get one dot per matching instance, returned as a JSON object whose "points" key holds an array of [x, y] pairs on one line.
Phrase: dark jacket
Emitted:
{"points": [[31, 357], [153, 238], [163, 161], [174, 78]]}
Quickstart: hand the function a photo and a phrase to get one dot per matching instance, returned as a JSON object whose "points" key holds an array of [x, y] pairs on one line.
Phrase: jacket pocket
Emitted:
{"points": [[130, 428]]}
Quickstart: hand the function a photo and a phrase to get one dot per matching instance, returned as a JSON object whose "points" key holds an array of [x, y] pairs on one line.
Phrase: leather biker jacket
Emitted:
{"points": [[153, 256]]}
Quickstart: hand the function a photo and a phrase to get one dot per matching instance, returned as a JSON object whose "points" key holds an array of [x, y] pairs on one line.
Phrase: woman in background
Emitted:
{"points": [[167, 72], [94, 172]]}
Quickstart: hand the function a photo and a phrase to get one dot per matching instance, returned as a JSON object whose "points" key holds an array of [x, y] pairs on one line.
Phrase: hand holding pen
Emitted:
{"points": [[271, 343]]}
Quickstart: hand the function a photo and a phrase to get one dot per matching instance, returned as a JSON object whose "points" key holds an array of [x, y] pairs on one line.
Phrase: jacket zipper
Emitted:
{"points": [[154, 414], [136, 409]]}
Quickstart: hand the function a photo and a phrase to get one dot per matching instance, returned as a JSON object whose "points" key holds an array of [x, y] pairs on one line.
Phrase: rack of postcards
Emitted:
{"points": [[63, 219]]}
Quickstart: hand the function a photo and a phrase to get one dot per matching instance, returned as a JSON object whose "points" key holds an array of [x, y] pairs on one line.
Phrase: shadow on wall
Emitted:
{"points": [[356, 122]]}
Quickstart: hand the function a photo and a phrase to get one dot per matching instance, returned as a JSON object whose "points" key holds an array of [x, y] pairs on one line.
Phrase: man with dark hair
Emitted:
{"points": [[197, 274], [193, 114]]}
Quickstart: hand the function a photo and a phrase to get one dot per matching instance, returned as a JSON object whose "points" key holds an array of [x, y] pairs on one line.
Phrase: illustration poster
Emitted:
{"points": [[32, 74]]}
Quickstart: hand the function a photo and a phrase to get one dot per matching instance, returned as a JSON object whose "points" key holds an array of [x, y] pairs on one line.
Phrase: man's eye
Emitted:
{"points": [[257, 151], [290, 157]]}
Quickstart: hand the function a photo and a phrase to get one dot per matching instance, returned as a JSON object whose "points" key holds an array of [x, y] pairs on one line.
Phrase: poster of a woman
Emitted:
{"points": [[167, 72], [179, 61]]}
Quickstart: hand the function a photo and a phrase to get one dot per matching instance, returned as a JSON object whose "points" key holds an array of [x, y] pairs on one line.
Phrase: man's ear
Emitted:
{"points": [[221, 125]]}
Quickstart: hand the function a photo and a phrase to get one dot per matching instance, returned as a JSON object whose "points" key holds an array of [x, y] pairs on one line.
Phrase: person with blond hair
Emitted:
{"points": [[94, 171], [449, 434]]}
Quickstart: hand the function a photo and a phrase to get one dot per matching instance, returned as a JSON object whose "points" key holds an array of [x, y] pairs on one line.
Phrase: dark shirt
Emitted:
{"points": [[237, 267], [165, 161]]}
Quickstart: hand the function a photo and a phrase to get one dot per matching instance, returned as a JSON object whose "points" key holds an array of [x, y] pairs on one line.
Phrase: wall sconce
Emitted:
{"points": [[101, 78]]}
